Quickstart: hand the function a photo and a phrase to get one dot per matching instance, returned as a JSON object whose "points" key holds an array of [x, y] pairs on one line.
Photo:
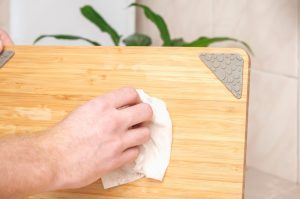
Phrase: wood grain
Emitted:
{"points": [[41, 85]]}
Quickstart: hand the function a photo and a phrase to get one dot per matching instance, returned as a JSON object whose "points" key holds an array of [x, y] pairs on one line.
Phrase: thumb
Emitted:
{"points": [[6, 40]]}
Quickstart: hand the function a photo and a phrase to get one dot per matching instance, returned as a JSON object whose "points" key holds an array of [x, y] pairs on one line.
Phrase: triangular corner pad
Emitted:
{"points": [[228, 68], [5, 56]]}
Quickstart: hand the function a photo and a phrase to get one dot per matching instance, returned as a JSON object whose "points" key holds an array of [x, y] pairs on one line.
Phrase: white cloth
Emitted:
{"points": [[154, 157]]}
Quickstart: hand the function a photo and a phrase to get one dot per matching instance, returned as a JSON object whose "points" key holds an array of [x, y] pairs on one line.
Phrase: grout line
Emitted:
{"points": [[273, 73]]}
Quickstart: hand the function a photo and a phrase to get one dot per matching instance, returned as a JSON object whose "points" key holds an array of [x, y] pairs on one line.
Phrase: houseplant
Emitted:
{"points": [[139, 39]]}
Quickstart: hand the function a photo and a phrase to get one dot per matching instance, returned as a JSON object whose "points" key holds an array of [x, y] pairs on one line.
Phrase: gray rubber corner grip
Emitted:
{"points": [[5, 56], [228, 68]]}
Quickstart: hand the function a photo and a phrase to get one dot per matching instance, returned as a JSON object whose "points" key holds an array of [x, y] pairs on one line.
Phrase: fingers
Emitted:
{"points": [[4, 37], [137, 114], [129, 155], [131, 142], [136, 137], [122, 97]]}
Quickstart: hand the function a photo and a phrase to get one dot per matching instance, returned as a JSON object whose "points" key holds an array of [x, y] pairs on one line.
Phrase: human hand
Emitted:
{"points": [[4, 40], [98, 137]]}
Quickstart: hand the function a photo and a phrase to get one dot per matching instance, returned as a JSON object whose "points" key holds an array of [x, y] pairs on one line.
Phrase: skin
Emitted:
{"points": [[96, 138], [5, 40]]}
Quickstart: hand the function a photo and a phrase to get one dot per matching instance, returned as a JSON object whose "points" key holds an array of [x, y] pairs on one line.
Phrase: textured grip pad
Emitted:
{"points": [[228, 68], [5, 56]]}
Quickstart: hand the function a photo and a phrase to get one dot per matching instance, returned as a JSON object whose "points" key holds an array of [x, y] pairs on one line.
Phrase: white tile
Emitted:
{"points": [[189, 20], [293, 193], [4, 14], [260, 185], [272, 128], [31, 18], [269, 27]]}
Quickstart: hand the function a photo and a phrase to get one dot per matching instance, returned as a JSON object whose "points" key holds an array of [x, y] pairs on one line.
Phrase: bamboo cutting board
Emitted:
{"points": [[41, 85]]}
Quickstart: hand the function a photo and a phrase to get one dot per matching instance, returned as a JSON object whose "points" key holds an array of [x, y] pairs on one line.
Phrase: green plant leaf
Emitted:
{"points": [[247, 46], [93, 16], [137, 39], [206, 41], [158, 21], [178, 42], [67, 37]]}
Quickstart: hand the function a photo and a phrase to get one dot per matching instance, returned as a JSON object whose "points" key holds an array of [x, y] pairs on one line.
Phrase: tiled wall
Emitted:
{"points": [[270, 27], [64, 17], [4, 14]]}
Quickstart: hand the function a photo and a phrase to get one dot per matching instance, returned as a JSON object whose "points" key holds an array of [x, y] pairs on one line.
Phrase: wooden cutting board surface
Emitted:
{"points": [[41, 85]]}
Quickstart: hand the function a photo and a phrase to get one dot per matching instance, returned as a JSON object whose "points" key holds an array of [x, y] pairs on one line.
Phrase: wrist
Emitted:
{"points": [[51, 161], [28, 167]]}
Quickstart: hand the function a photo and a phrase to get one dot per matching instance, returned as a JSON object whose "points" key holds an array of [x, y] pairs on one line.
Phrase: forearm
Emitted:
{"points": [[26, 167]]}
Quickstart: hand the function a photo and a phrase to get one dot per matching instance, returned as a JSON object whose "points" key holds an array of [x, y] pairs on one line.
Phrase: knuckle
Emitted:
{"points": [[146, 134], [111, 120], [117, 121], [135, 152], [148, 110], [123, 121], [105, 100], [131, 92], [99, 103], [129, 89], [132, 154], [127, 118], [110, 123], [115, 163], [116, 146]]}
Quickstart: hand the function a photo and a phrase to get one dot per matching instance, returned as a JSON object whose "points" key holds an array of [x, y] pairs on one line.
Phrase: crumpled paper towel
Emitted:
{"points": [[154, 156]]}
